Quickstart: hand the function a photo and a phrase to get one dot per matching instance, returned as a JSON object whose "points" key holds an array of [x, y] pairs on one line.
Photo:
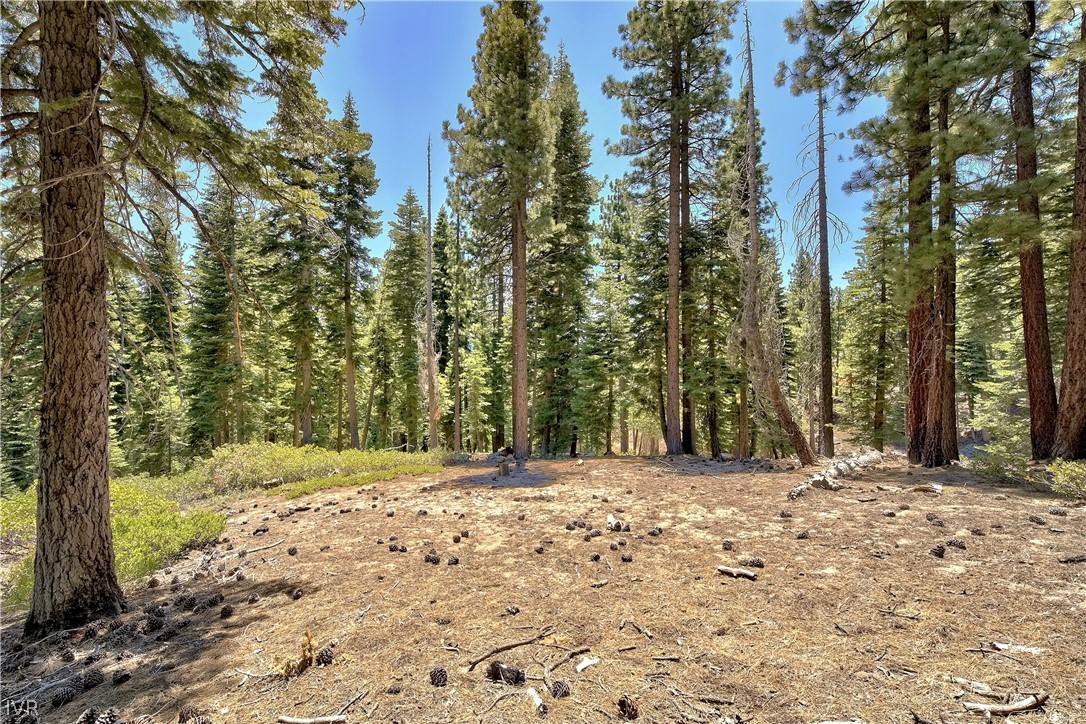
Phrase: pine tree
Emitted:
{"points": [[676, 97], [403, 281], [351, 218], [560, 261], [499, 152]]}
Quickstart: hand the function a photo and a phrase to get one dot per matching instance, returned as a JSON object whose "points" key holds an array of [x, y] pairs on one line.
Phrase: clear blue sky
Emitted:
{"points": [[408, 65]]}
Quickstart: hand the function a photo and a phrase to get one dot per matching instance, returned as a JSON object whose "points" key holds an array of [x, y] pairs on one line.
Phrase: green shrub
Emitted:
{"points": [[236, 467], [310, 485], [1068, 477], [148, 529]]}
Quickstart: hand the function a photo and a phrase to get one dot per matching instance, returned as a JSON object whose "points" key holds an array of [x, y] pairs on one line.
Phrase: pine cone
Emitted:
{"points": [[109, 716], [627, 558], [67, 655], [296, 594], [432, 557], [168, 632], [188, 713], [439, 677], [955, 543], [120, 676], [253, 597], [560, 689], [453, 561], [627, 709], [938, 551], [292, 551], [202, 719], [89, 716], [144, 719], [325, 656], [657, 530], [752, 562], [64, 693], [92, 678]]}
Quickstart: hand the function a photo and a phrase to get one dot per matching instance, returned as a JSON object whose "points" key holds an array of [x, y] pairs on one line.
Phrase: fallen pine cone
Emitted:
{"points": [[627, 709], [296, 594], [499, 672], [324, 656], [560, 689], [938, 551], [627, 558], [752, 562], [453, 561], [120, 676], [1037, 519], [227, 611], [292, 551], [955, 543], [89, 716], [188, 713], [438, 676], [727, 545], [655, 531]]}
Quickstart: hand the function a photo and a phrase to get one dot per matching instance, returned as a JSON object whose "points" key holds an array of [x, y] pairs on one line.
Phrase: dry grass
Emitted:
{"points": [[857, 620]]}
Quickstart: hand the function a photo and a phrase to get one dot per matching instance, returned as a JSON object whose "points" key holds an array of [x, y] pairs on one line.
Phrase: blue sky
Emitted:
{"points": [[408, 65]]}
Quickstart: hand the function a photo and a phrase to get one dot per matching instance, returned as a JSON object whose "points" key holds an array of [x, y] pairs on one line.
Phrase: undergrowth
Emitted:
{"points": [[148, 530]]}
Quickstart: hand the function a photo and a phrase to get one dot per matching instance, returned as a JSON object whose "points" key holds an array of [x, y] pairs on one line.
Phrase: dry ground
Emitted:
{"points": [[855, 621]]}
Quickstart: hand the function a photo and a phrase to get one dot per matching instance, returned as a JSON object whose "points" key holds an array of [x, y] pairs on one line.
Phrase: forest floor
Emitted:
{"points": [[851, 617]]}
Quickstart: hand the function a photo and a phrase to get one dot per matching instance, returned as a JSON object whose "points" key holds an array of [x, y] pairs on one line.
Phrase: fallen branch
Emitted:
{"points": [[666, 658], [242, 554], [737, 572], [361, 695], [1073, 559], [256, 676], [547, 630], [569, 656], [1030, 702], [313, 720]]}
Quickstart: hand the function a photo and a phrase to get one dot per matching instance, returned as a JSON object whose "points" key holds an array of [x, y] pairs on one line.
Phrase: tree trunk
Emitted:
{"points": [[688, 361], [74, 575], [918, 159], [456, 341], [431, 352], [661, 400], [1070, 442], [1040, 383], [766, 378], [945, 311], [348, 346], [520, 329], [672, 431], [742, 437], [878, 422], [498, 410], [623, 419], [826, 336]]}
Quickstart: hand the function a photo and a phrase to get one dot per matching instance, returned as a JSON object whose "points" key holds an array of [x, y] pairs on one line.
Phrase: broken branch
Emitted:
{"points": [[547, 630], [1030, 702], [737, 572]]}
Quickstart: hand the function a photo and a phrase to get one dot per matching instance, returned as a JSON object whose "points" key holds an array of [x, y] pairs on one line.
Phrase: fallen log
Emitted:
{"points": [[1016, 707], [737, 572]]}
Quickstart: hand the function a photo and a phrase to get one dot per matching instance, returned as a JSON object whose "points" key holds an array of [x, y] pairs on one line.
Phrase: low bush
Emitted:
{"points": [[148, 529], [1068, 477]]}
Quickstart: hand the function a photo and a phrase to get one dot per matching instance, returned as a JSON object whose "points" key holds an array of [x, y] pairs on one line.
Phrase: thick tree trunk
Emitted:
{"points": [[672, 430], [499, 409], [826, 335], [1040, 383], [878, 422], [456, 344], [520, 329], [1070, 442], [944, 308], [661, 400], [918, 159], [74, 575], [767, 379]]}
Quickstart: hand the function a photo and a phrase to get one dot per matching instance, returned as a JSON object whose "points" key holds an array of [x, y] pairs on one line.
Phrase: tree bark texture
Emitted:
{"points": [[672, 430], [825, 336], [1040, 382], [520, 329], [1070, 442], [74, 573]]}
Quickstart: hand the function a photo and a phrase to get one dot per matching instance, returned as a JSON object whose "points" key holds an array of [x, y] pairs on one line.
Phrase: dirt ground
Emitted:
{"points": [[851, 618]]}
